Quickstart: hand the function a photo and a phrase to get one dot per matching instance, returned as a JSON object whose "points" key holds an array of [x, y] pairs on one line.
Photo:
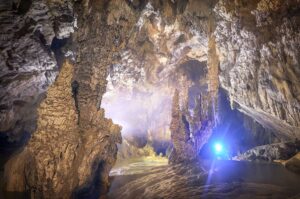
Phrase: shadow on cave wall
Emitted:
{"points": [[94, 188]]}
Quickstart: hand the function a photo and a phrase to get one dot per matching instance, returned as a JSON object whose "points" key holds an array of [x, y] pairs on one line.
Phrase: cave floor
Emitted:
{"points": [[150, 178]]}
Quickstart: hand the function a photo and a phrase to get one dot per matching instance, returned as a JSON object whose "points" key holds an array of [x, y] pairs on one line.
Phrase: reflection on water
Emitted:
{"points": [[138, 165], [254, 172], [151, 178]]}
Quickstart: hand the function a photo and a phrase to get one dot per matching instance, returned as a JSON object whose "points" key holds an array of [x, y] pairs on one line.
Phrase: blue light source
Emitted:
{"points": [[218, 148]]}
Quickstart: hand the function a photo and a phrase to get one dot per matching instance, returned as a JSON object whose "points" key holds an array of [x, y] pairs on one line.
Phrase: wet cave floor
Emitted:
{"points": [[153, 178]]}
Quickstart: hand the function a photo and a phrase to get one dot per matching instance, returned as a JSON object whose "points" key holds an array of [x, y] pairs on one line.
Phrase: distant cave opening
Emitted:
{"points": [[144, 118], [143, 109]]}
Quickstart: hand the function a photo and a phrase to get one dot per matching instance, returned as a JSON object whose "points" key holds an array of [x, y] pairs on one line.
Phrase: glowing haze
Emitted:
{"points": [[140, 113]]}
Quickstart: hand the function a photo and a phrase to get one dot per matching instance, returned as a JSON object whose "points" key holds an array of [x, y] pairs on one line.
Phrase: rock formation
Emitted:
{"points": [[74, 146], [30, 31], [180, 134], [257, 44], [60, 148], [166, 50], [277, 151], [190, 133]]}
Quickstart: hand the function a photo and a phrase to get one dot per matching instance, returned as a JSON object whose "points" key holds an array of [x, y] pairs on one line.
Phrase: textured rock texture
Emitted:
{"points": [[258, 48], [278, 151], [63, 158], [27, 60], [168, 49], [189, 132], [56, 113], [180, 134], [248, 48], [74, 146]]}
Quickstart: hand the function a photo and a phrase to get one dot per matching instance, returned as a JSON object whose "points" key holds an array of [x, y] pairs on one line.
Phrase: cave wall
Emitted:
{"points": [[258, 48], [28, 63]]}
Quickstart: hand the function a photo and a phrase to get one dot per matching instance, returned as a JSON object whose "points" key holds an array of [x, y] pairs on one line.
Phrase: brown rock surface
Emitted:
{"points": [[180, 134], [61, 156], [28, 64], [190, 133], [74, 147]]}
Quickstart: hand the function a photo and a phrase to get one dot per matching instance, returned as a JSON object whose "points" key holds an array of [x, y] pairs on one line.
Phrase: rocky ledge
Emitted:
{"points": [[278, 151]]}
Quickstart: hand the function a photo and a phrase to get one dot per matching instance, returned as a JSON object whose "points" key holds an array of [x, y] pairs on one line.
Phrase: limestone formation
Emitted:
{"points": [[180, 134], [167, 49], [60, 149], [258, 48], [190, 133], [74, 146], [277, 151], [28, 59]]}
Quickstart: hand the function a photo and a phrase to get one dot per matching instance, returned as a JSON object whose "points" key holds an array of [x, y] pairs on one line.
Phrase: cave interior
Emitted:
{"points": [[149, 99]]}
